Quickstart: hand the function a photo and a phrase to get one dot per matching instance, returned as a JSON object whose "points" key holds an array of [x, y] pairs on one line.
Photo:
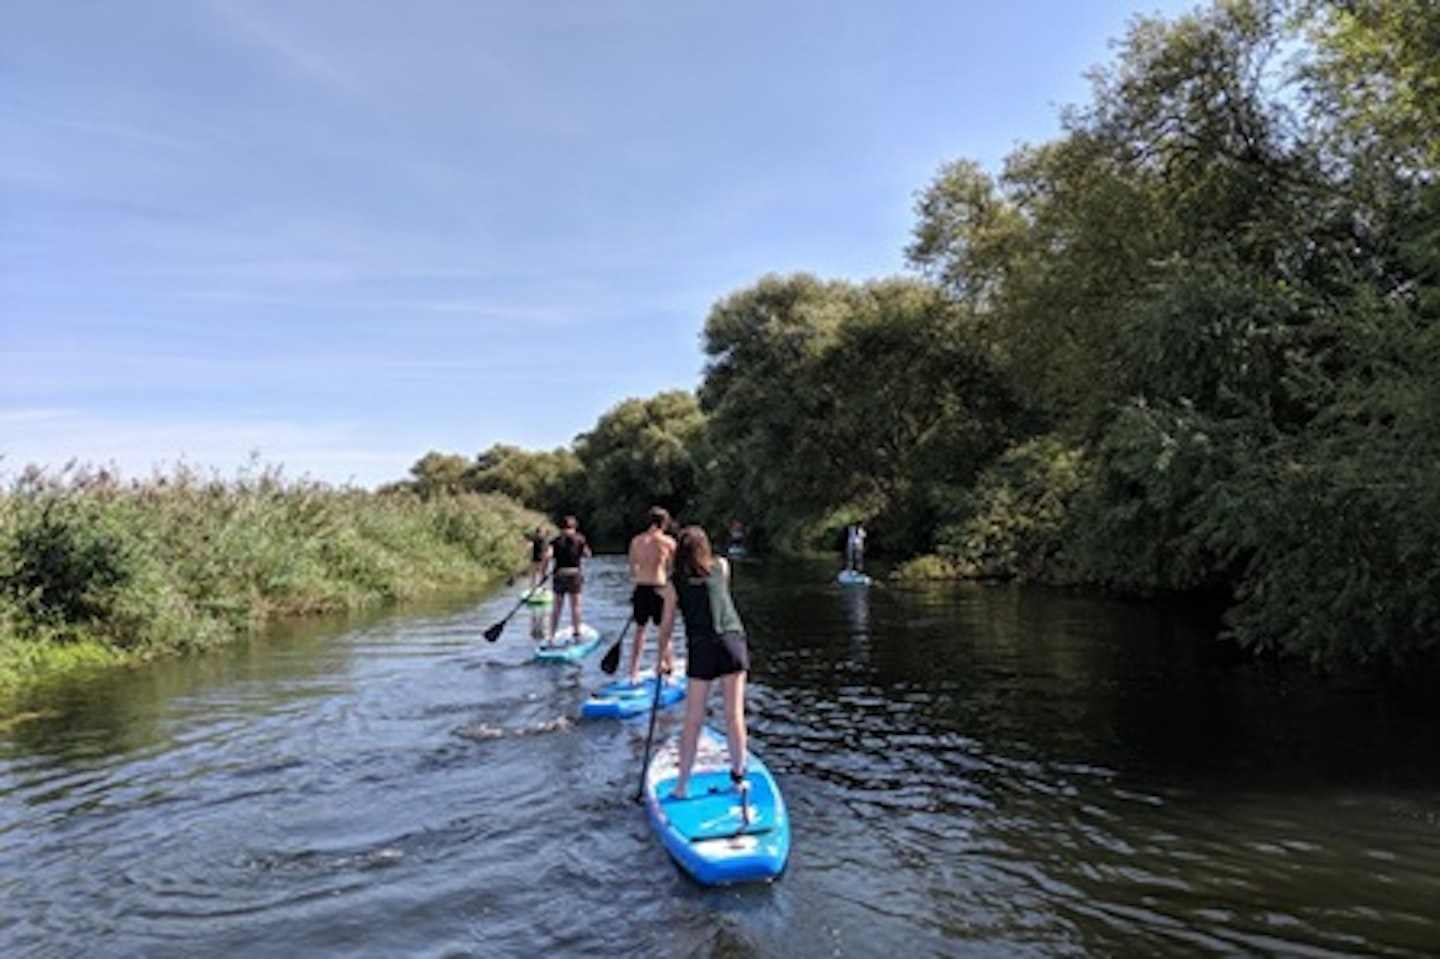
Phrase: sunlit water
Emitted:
{"points": [[971, 771]]}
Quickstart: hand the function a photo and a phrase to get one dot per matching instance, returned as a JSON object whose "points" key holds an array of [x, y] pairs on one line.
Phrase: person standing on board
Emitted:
{"points": [[566, 551], [717, 649], [652, 553], [736, 546], [855, 546], [537, 556]]}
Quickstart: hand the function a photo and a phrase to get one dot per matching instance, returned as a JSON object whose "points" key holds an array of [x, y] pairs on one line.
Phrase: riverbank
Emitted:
{"points": [[96, 572]]}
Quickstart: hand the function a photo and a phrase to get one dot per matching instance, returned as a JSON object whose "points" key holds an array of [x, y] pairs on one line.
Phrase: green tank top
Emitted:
{"points": [[706, 604]]}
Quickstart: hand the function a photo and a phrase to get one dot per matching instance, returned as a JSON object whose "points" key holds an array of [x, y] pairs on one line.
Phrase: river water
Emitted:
{"points": [[971, 771]]}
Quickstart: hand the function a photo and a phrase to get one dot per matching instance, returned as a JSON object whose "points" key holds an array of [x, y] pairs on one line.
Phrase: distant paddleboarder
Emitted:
{"points": [[855, 546]]}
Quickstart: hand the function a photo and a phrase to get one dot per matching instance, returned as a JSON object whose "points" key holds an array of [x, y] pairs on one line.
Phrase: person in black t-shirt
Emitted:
{"points": [[537, 556], [566, 551]]}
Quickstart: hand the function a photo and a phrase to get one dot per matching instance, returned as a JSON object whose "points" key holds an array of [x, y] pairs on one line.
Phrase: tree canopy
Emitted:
{"points": [[1190, 345]]}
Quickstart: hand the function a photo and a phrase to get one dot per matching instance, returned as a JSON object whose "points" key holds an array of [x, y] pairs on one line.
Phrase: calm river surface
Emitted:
{"points": [[971, 771]]}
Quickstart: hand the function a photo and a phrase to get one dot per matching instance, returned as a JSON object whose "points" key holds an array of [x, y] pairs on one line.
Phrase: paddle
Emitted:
{"points": [[493, 633], [611, 660], [650, 736]]}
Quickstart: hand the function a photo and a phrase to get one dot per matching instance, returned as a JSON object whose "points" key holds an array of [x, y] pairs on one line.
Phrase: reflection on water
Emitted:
{"points": [[971, 770], [856, 602]]}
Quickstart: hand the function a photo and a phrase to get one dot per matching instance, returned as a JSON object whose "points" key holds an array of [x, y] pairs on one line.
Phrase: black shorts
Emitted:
{"points": [[568, 581], [647, 604], [710, 657]]}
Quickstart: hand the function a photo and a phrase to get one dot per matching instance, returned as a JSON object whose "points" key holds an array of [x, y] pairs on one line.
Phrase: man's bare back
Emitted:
{"points": [[651, 554]]}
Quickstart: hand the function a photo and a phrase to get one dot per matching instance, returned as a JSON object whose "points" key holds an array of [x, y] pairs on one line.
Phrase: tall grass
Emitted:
{"points": [[95, 571]]}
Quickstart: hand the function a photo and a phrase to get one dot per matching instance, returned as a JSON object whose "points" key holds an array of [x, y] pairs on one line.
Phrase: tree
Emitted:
{"points": [[639, 454], [551, 482], [761, 342], [831, 399], [440, 474]]}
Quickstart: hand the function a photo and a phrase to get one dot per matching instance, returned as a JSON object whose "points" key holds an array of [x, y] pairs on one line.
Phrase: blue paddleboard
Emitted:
{"points": [[566, 648], [710, 834], [852, 577], [621, 700]]}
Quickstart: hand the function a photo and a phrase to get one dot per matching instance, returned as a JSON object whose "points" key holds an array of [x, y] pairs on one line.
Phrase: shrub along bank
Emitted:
{"points": [[95, 571]]}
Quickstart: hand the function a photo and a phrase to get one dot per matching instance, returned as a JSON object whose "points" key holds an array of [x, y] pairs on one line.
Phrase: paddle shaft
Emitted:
{"points": [[650, 736]]}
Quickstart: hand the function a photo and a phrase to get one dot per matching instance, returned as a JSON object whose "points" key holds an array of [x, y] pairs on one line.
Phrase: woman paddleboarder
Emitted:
{"points": [[717, 649]]}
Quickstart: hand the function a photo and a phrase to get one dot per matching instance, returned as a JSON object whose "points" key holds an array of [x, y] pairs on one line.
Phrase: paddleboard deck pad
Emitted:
{"points": [[566, 647], [718, 834], [621, 700]]}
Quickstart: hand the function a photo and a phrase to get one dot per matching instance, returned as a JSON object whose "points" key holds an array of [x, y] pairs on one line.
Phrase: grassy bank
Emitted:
{"points": [[94, 571]]}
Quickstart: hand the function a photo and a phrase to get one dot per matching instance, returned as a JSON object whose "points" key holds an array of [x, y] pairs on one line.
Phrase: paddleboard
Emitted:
{"points": [[566, 647], [852, 577], [621, 700], [707, 833]]}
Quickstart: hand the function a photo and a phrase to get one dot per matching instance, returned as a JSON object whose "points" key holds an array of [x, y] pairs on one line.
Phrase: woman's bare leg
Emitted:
{"points": [[665, 654], [695, 698], [732, 688]]}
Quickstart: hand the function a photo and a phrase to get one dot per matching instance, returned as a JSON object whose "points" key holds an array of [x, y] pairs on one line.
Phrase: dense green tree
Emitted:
{"points": [[639, 454], [1222, 284], [911, 399], [1375, 79], [552, 482], [442, 474], [832, 400], [761, 343], [967, 235]]}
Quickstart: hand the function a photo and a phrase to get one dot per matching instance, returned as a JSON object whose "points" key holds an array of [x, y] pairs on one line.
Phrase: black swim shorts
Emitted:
{"points": [[567, 581], [647, 603], [710, 657]]}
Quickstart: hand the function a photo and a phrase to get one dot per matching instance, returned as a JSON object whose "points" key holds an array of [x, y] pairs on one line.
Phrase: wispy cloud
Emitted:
{"points": [[304, 57], [101, 128]]}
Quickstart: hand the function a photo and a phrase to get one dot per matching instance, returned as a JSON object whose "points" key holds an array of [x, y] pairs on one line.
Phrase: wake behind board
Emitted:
{"points": [[707, 833], [621, 700], [566, 647], [853, 577]]}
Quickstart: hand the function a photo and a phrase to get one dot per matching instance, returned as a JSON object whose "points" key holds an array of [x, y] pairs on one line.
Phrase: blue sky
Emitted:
{"points": [[339, 234]]}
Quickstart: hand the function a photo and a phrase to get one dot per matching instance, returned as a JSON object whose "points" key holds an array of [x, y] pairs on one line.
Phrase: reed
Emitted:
{"points": [[94, 570]]}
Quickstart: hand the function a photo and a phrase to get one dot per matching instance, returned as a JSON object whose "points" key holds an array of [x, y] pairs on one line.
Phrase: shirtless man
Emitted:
{"points": [[653, 600]]}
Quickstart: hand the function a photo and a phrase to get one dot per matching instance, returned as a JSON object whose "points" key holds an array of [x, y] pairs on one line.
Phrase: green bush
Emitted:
{"points": [[1017, 515], [94, 571]]}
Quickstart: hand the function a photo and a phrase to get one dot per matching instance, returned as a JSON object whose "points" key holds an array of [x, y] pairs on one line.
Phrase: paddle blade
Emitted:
{"points": [[493, 633], [611, 661]]}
